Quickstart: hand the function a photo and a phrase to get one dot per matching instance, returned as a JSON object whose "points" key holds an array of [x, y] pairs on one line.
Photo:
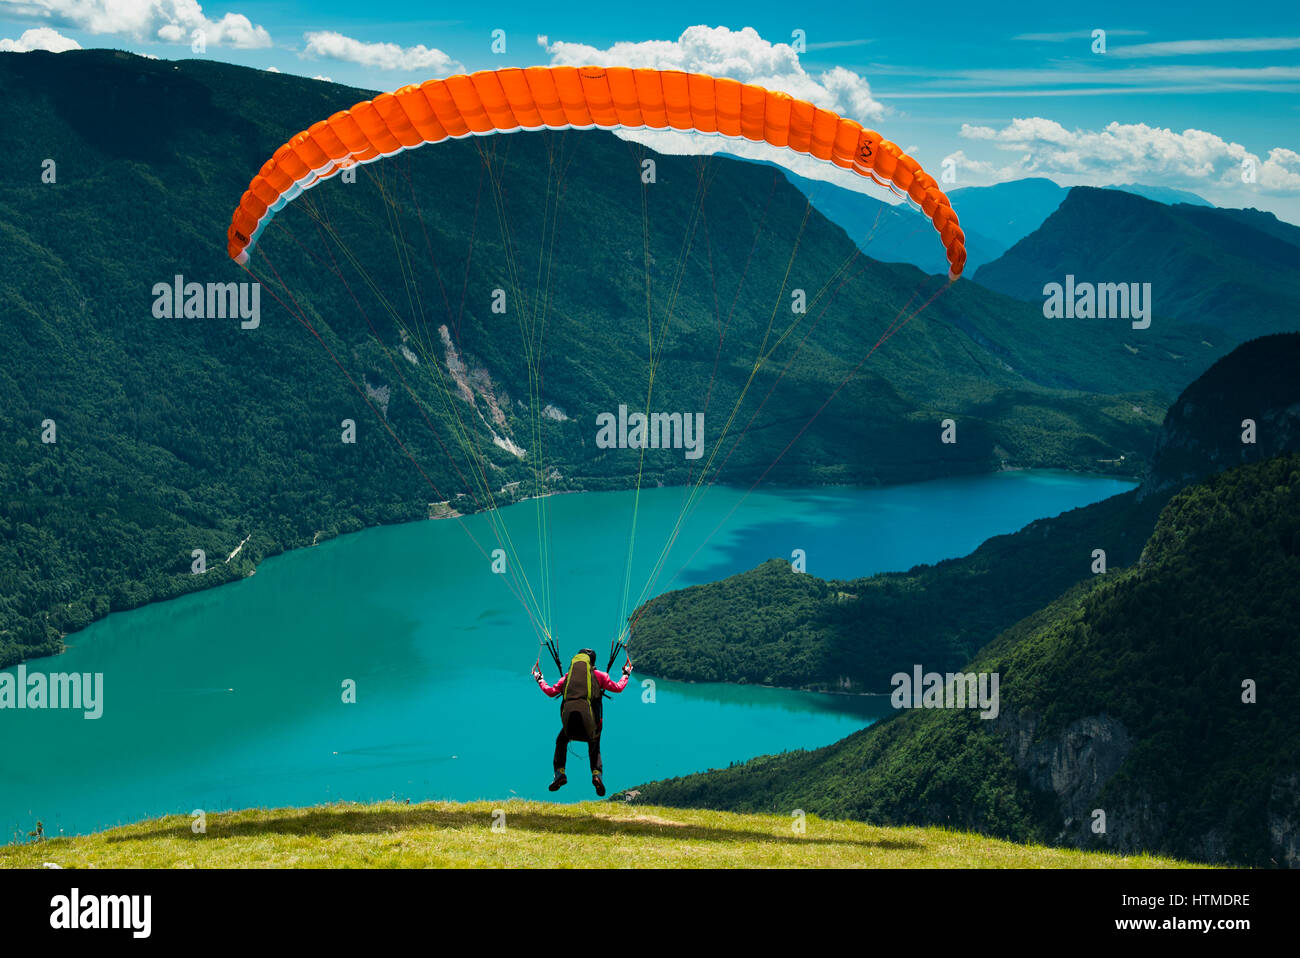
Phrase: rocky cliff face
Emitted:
{"points": [[1076, 764]]}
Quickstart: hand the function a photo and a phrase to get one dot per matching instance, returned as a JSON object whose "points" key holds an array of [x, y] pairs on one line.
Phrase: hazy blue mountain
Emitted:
{"points": [[992, 217], [1007, 212], [1163, 194], [891, 233], [1210, 269]]}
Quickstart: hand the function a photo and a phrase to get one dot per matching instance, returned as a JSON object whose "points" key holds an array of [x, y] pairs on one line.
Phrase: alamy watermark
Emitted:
{"points": [[75, 911], [951, 690], [181, 300], [83, 691], [1073, 300], [659, 430]]}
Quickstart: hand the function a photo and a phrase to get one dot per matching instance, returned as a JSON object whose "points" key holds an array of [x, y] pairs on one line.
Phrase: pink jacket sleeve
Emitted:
{"points": [[553, 690], [608, 684]]}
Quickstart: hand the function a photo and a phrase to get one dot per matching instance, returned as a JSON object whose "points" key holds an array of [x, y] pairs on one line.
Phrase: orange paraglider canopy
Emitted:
{"points": [[582, 98]]}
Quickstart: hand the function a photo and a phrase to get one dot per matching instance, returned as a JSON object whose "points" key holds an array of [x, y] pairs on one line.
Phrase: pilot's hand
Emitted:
{"points": [[627, 668], [537, 675]]}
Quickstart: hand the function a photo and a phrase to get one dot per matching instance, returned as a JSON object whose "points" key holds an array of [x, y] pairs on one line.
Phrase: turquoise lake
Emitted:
{"points": [[232, 698]]}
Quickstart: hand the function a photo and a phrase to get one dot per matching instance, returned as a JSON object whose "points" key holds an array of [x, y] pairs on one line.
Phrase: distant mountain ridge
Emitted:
{"points": [[994, 218], [888, 232], [1227, 279], [1162, 194], [1008, 212]]}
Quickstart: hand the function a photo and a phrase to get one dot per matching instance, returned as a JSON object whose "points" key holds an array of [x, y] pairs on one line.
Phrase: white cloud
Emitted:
{"points": [[1099, 75], [740, 54], [1178, 48], [839, 44], [272, 69], [385, 56], [1281, 171], [39, 38], [1127, 153], [1074, 35], [172, 21], [324, 78]]}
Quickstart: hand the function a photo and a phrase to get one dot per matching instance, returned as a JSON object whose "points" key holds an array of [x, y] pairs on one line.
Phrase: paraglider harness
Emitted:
{"points": [[581, 707]]}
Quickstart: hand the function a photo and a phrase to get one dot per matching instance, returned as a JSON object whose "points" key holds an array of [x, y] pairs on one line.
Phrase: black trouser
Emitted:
{"points": [[578, 729]]}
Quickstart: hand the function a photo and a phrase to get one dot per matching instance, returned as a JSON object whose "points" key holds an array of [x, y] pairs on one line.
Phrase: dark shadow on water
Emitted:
{"points": [[749, 547], [323, 824], [894, 535]]}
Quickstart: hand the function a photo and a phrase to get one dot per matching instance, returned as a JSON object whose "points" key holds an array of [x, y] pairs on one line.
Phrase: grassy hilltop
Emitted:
{"points": [[538, 835]]}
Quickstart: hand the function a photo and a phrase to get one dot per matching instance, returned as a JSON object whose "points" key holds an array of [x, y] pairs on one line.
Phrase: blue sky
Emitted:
{"points": [[1183, 95]]}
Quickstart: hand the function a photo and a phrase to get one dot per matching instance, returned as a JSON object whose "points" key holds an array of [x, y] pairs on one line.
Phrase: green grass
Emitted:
{"points": [[538, 835]]}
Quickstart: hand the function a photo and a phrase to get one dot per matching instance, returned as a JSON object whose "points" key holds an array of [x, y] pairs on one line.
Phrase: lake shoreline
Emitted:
{"points": [[454, 514]]}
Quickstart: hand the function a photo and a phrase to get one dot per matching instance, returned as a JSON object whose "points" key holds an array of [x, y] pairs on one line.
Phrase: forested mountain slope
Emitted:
{"points": [[177, 434]]}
